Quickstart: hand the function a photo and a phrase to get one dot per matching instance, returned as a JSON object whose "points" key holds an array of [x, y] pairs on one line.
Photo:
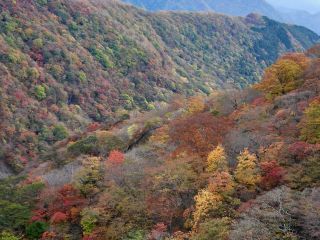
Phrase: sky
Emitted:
{"points": [[312, 6]]}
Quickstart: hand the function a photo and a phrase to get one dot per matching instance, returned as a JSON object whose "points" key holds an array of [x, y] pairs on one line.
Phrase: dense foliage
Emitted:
{"points": [[234, 165], [68, 66]]}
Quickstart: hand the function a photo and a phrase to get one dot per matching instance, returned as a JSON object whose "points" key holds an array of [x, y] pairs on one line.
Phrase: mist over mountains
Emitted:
{"points": [[290, 13], [311, 6]]}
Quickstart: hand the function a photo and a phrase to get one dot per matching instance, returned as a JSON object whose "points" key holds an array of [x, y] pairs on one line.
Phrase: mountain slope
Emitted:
{"points": [[235, 165], [67, 64], [234, 8]]}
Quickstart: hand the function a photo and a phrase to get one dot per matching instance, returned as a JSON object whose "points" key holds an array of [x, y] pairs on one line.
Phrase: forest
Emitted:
{"points": [[114, 125], [234, 165], [68, 64]]}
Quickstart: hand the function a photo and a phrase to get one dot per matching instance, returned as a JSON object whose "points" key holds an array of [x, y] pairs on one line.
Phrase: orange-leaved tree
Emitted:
{"points": [[283, 76]]}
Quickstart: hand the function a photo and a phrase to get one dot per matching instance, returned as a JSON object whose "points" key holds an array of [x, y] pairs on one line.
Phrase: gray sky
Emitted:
{"points": [[309, 5]]}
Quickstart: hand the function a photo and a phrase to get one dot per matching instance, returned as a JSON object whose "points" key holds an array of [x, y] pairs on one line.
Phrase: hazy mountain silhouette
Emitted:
{"points": [[236, 8]]}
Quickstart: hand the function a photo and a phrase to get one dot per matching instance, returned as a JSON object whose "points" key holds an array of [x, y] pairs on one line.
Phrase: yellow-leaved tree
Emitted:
{"points": [[222, 183], [206, 202], [247, 171], [283, 76], [310, 125], [217, 160]]}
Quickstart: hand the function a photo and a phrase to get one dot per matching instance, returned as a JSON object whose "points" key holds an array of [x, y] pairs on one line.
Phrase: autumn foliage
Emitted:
{"points": [[272, 175], [58, 217], [247, 171], [310, 126], [217, 160], [284, 76], [116, 158], [199, 133]]}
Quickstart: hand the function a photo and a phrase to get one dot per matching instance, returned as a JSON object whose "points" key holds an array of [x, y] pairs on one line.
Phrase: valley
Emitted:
{"points": [[122, 124]]}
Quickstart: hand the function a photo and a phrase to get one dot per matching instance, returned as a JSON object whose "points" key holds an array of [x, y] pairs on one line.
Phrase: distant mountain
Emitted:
{"points": [[235, 8], [231, 7], [311, 6], [303, 18]]}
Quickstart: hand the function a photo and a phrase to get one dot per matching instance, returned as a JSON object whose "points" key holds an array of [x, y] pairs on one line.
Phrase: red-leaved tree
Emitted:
{"points": [[116, 158], [272, 175]]}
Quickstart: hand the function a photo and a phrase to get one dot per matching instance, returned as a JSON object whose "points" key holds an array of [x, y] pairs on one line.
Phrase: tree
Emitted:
{"points": [[206, 203], [300, 150], [116, 158], [310, 126], [58, 217], [60, 132], [217, 229], [89, 177], [13, 215], [272, 174], [89, 218], [58, 204], [38, 43], [40, 92], [198, 133], [222, 183], [217, 160], [283, 76], [169, 188], [36, 229], [247, 172], [195, 104]]}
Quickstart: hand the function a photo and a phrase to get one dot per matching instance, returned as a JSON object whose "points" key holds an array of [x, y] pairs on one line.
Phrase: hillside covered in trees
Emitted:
{"points": [[67, 65], [120, 124], [238, 165]]}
